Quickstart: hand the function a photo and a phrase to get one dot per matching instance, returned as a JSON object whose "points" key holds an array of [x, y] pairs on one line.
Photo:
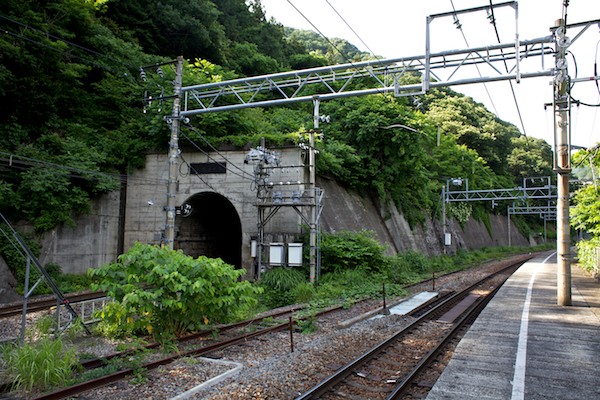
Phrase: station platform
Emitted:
{"points": [[525, 346]]}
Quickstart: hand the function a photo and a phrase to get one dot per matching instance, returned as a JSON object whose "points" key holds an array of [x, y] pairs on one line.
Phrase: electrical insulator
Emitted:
{"points": [[143, 74]]}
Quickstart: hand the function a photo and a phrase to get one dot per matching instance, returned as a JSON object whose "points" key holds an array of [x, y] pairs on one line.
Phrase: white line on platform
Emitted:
{"points": [[518, 392]]}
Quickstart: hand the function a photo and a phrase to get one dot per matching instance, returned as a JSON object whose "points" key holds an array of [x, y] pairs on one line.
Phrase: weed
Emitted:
{"points": [[39, 365], [97, 373], [45, 325], [190, 360], [307, 325]]}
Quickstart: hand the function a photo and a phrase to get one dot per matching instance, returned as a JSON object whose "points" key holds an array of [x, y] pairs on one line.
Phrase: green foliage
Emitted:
{"points": [[471, 124], [165, 293], [304, 292], [12, 254], [529, 157], [481, 213], [45, 325], [96, 373], [346, 250], [307, 325], [333, 51], [588, 254], [280, 286], [354, 284], [16, 262], [460, 211], [41, 365], [586, 212], [408, 267], [104, 132]]}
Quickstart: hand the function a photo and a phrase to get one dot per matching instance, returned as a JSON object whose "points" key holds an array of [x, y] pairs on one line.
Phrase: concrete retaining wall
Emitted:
{"points": [[95, 239]]}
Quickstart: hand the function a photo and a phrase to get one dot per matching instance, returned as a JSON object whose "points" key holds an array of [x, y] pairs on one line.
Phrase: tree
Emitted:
{"points": [[172, 27], [472, 125], [529, 157]]}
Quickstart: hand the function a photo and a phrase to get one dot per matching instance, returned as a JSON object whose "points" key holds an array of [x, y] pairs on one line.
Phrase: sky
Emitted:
{"points": [[396, 28]]}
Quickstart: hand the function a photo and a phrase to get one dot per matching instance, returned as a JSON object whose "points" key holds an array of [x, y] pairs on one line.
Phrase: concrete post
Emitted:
{"points": [[313, 189], [173, 155], [562, 166]]}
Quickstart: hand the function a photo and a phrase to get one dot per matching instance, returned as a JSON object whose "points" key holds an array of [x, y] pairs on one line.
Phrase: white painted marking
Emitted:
{"points": [[518, 392], [410, 304]]}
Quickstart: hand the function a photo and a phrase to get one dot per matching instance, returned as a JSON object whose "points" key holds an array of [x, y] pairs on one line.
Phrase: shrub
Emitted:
{"points": [[354, 285], [347, 250], [165, 293]]}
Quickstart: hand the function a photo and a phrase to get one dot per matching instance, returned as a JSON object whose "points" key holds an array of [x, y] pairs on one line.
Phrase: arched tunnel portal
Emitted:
{"points": [[211, 227]]}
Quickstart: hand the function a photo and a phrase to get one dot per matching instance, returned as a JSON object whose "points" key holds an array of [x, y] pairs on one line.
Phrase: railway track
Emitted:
{"points": [[192, 351], [42, 304], [195, 350], [388, 370]]}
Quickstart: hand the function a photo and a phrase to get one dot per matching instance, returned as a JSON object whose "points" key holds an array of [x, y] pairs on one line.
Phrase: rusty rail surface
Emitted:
{"points": [[440, 307]]}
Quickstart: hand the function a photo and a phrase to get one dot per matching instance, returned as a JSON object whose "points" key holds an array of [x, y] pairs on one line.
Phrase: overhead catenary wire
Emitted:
{"points": [[352, 29], [459, 27], [244, 174], [512, 88], [329, 41]]}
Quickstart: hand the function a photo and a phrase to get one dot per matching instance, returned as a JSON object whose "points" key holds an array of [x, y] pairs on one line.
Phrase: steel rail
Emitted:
{"points": [[100, 362], [433, 353], [341, 374], [105, 380], [44, 304]]}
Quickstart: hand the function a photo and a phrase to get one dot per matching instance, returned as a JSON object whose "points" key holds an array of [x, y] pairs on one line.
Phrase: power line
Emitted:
{"points": [[348, 25], [329, 41], [199, 177], [18, 35], [243, 175], [47, 34], [211, 187], [20, 162], [459, 26], [512, 88]]}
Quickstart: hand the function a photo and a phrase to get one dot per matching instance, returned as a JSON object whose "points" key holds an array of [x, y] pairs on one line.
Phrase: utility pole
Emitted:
{"points": [[562, 166], [444, 223], [312, 180], [173, 155]]}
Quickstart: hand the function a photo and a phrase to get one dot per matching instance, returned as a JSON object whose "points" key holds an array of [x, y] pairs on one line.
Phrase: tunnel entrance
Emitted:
{"points": [[209, 225]]}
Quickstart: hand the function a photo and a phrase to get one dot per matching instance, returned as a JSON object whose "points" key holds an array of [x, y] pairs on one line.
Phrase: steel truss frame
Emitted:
{"points": [[382, 77], [547, 191]]}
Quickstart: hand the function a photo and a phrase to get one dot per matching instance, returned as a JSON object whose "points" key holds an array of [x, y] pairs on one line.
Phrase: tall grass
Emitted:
{"points": [[40, 365], [279, 284]]}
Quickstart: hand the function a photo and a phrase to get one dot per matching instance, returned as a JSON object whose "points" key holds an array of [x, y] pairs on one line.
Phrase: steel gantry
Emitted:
{"points": [[390, 76], [529, 190], [533, 188]]}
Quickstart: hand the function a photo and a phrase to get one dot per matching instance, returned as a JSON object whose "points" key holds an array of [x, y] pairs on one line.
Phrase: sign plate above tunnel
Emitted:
{"points": [[208, 168]]}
